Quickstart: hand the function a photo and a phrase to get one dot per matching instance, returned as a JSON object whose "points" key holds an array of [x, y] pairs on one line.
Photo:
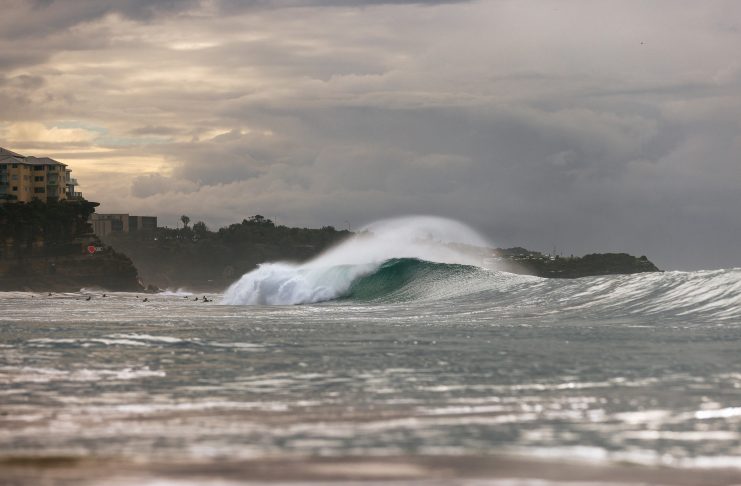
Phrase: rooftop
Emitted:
{"points": [[8, 153], [43, 161], [22, 159]]}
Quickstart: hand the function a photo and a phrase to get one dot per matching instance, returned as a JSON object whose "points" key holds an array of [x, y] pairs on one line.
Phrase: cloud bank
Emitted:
{"points": [[589, 126]]}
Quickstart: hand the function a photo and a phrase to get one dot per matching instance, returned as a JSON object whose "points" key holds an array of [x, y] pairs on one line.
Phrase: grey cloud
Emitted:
{"points": [[11, 58], [154, 130], [524, 175], [540, 128], [27, 82], [234, 156], [236, 5], [152, 184], [43, 17]]}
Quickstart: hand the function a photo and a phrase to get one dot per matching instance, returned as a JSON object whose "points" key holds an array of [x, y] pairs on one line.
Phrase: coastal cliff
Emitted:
{"points": [[51, 247]]}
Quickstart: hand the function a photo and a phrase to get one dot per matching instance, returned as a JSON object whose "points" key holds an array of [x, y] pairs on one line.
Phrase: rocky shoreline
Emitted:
{"points": [[106, 270]]}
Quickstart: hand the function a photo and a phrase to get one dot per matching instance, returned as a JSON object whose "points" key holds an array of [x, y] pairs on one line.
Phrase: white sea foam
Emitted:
{"points": [[179, 292], [28, 374], [147, 337]]}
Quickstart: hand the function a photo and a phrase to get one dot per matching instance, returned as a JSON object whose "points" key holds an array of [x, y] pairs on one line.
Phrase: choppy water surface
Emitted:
{"points": [[416, 359]]}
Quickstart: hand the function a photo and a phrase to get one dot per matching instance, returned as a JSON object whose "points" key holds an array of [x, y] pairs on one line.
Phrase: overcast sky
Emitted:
{"points": [[584, 125]]}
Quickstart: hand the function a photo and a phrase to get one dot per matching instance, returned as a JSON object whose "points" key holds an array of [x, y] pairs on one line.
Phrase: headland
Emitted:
{"points": [[50, 247]]}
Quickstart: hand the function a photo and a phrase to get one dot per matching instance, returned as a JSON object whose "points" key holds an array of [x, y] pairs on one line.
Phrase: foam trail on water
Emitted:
{"points": [[331, 274]]}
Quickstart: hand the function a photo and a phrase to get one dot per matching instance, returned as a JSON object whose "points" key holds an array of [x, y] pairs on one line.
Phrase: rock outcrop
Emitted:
{"points": [[51, 248], [519, 260]]}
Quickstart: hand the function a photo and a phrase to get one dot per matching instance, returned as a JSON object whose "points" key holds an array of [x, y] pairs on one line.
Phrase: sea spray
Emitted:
{"points": [[332, 274]]}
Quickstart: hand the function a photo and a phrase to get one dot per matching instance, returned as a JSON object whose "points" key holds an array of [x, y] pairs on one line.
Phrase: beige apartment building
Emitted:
{"points": [[24, 178]]}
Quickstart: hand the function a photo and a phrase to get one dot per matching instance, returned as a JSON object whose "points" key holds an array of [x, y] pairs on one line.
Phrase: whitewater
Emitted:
{"points": [[394, 356]]}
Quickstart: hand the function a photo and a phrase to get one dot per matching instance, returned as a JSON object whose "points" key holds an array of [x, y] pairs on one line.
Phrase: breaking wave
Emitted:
{"points": [[704, 294], [332, 274], [391, 267]]}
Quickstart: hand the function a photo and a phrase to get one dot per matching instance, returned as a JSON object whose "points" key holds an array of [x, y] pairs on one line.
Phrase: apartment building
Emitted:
{"points": [[105, 224], [24, 178]]}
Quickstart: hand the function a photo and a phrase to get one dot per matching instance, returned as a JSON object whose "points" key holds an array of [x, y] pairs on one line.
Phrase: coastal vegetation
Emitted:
{"points": [[520, 260], [45, 246], [55, 224], [196, 257]]}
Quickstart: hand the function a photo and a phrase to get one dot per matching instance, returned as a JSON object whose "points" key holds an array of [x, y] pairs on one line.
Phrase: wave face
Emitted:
{"points": [[409, 279]]}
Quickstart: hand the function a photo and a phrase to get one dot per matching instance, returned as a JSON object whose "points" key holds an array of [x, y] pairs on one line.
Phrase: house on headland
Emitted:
{"points": [[25, 178]]}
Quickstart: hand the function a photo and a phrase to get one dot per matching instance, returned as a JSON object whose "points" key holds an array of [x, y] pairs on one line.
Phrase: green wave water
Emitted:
{"points": [[401, 279]]}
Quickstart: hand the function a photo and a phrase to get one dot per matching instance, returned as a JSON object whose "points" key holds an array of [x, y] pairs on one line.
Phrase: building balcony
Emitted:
{"points": [[72, 182]]}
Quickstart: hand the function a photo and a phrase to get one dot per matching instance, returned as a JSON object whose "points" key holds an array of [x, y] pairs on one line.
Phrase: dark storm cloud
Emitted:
{"points": [[43, 17], [154, 130], [10, 59], [592, 126]]}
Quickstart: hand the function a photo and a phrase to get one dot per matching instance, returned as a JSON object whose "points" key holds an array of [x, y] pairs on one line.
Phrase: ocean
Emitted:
{"points": [[403, 370]]}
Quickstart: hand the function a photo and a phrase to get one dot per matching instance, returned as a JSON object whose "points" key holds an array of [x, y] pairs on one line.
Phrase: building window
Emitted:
{"points": [[15, 177], [38, 167], [116, 225], [39, 178], [39, 190], [15, 188], [15, 166]]}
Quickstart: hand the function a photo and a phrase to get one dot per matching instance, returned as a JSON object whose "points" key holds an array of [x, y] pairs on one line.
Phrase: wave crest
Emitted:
{"points": [[330, 275]]}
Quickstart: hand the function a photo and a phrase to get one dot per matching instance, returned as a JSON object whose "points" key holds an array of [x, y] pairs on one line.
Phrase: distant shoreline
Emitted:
{"points": [[51, 247], [198, 258]]}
